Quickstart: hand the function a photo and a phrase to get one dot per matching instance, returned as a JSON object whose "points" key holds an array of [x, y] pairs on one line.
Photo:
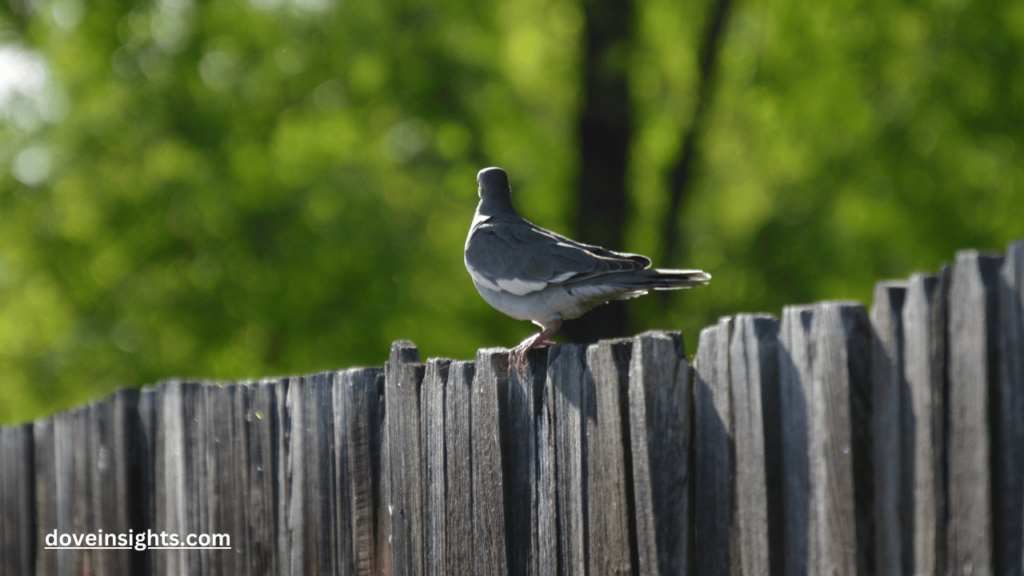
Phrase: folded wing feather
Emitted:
{"points": [[520, 258]]}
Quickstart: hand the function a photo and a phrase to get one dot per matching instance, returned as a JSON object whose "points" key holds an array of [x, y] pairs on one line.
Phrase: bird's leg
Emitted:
{"points": [[517, 356]]}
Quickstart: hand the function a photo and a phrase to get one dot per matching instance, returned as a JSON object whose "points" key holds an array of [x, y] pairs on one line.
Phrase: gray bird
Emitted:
{"points": [[530, 273]]}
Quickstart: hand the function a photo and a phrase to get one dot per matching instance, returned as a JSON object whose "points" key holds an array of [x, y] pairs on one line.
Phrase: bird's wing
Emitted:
{"points": [[515, 256]]}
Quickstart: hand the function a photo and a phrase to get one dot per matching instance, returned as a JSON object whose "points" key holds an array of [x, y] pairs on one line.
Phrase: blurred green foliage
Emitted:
{"points": [[235, 189]]}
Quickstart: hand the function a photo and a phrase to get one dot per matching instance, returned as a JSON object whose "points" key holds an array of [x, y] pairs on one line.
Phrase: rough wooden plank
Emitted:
{"points": [[547, 483], [73, 487], [753, 371], [769, 350], [1008, 446], [169, 476], [225, 464], [433, 444], [612, 528], [356, 397], [565, 376], [714, 451], [114, 457], [46, 494], [240, 537], [840, 457], [794, 388], [490, 387], [195, 496], [924, 367], [521, 465], [342, 537], [972, 373], [282, 391], [459, 468], [404, 381], [315, 508], [17, 500], [402, 352], [147, 413], [660, 419], [260, 412], [892, 541], [588, 422]]}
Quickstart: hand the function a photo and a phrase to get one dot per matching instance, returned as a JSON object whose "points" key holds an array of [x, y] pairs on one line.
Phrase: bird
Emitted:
{"points": [[530, 273]]}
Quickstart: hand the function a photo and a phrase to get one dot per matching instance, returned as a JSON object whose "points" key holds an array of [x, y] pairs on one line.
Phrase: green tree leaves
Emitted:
{"points": [[234, 189]]}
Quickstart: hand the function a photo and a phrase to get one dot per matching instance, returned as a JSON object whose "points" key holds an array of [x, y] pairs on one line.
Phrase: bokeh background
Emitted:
{"points": [[242, 188]]}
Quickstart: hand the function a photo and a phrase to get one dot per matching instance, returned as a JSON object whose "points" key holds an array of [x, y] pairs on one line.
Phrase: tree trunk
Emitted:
{"points": [[605, 130]]}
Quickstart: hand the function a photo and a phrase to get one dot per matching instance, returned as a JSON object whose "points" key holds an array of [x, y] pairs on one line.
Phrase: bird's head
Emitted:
{"points": [[493, 184]]}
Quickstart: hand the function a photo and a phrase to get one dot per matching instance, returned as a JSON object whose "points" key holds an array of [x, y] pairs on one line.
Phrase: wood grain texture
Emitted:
{"points": [[114, 430], [73, 487], [459, 468], [892, 537], [169, 476], [432, 440], [17, 500], [924, 367], [753, 369], [565, 376], [402, 352], [261, 425], [521, 464], [612, 525], [795, 373], [313, 504], [147, 411], [1008, 398], [547, 483], [972, 434], [660, 419], [737, 361], [281, 391], [490, 388], [356, 407], [196, 494], [840, 452], [226, 456], [46, 494], [714, 450], [403, 382]]}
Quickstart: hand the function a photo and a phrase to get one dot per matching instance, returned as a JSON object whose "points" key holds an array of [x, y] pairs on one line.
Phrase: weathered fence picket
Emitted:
{"points": [[832, 442], [458, 469], [924, 368], [17, 506], [610, 494], [661, 429], [490, 384], [972, 355], [713, 439], [887, 422], [794, 370]]}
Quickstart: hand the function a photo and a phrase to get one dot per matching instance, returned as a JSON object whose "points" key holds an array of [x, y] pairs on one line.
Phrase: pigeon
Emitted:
{"points": [[529, 273]]}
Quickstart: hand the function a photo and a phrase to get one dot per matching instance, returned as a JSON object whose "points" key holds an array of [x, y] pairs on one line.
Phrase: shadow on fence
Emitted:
{"points": [[839, 441]]}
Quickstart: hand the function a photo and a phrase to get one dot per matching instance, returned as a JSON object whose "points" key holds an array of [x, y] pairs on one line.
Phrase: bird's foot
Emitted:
{"points": [[517, 356]]}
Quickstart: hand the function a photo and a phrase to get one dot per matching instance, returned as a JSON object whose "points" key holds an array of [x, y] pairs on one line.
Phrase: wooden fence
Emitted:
{"points": [[839, 441]]}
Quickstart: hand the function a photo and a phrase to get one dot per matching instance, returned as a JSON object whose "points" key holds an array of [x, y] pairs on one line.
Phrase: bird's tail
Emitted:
{"points": [[665, 279], [626, 285]]}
